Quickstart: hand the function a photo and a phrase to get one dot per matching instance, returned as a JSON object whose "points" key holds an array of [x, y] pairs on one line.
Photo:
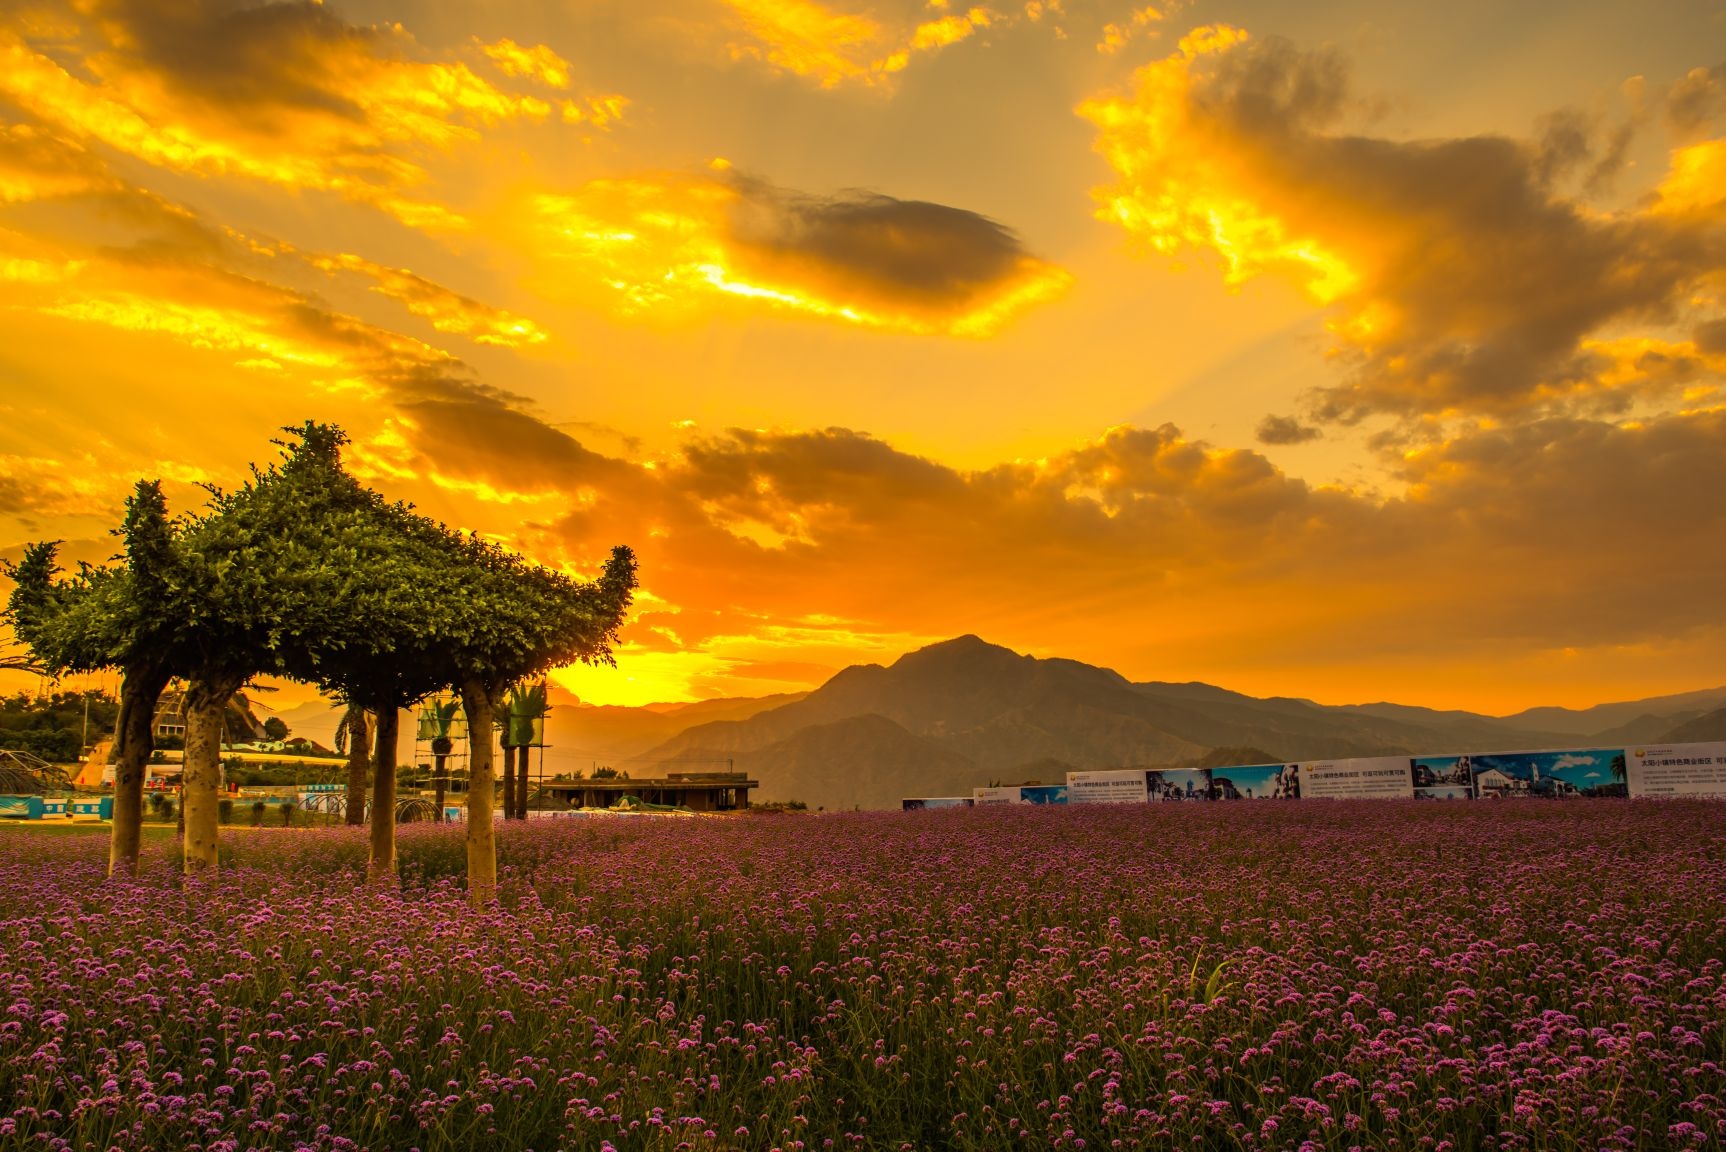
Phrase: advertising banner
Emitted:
{"points": [[1363, 778], [1549, 775], [1020, 794], [985, 797], [1178, 784], [1256, 782], [1108, 786], [1443, 778], [1678, 770]]}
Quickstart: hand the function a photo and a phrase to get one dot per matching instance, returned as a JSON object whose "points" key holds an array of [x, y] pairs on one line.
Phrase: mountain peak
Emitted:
{"points": [[969, 642], [960, 656]]}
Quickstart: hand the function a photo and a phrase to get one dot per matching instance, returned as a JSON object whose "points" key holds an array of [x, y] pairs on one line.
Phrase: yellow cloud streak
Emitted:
{"points": [[809, 39], [220, 329], [537, 63], [446, 310]]}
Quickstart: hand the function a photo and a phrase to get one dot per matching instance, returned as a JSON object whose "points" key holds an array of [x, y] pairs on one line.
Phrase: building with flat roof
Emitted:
{"points": [[696, 791]]}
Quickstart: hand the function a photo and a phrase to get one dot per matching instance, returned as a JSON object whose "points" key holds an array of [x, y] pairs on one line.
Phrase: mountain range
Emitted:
{"points": [[962, 713]]}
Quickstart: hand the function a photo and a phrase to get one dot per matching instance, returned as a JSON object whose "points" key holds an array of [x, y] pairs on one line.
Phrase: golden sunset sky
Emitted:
{"points": [[1348, 350]]}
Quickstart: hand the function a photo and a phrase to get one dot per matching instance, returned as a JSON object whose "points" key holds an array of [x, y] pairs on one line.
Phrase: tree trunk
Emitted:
{"points": [[508, 783], [359, 763], [521, 778], [201, 773], [136, 740], [476, 701], [440, 783], [383, 862]]}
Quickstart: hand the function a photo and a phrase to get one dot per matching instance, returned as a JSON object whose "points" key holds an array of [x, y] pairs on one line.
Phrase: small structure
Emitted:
{"points": [[696, 791], [27, 774]]}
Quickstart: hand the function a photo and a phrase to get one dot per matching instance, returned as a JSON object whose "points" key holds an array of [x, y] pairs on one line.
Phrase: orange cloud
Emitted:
{"points": [[1462, 277], [1535, 537], [677, 244]]}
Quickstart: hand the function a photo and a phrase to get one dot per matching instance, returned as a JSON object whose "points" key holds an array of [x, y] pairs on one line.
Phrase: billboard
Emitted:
{"points": [[1020, 794], [1172, 784], [1665, 770], [1363, 778], [1549, 775], [1256, 782], [1442, 777], [986, 797], [1109, 786], [1677, 770]]}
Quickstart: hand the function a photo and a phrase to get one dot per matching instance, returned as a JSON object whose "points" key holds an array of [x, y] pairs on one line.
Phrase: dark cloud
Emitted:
{"points": [[881, 248], [1569, 143], [1711, 337], [1696, 100], [1583, 529], [243, 58], [1286, 430], [466, 431], [721, 240], [1273, 86]]}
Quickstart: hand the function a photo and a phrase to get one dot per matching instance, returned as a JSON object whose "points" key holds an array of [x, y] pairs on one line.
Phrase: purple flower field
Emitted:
{"points": [[1251, 976]]}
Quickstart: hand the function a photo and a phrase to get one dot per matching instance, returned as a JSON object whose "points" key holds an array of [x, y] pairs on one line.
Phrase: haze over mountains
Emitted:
{"points": [[962, 713]]}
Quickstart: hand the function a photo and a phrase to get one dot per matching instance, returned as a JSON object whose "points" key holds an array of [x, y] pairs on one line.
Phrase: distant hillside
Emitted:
{"points": [[963, 713], [580, 735], [1458, 730], [979, 703], [1230, 757], [1600, 718], [1707, 727], [609, 733], [863, 761], [1009, 716], [1045, 771], [1645, 729], [999, 710]]}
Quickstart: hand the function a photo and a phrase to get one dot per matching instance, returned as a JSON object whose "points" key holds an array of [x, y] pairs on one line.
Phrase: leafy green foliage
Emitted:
{"points": [[53, 726]]}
